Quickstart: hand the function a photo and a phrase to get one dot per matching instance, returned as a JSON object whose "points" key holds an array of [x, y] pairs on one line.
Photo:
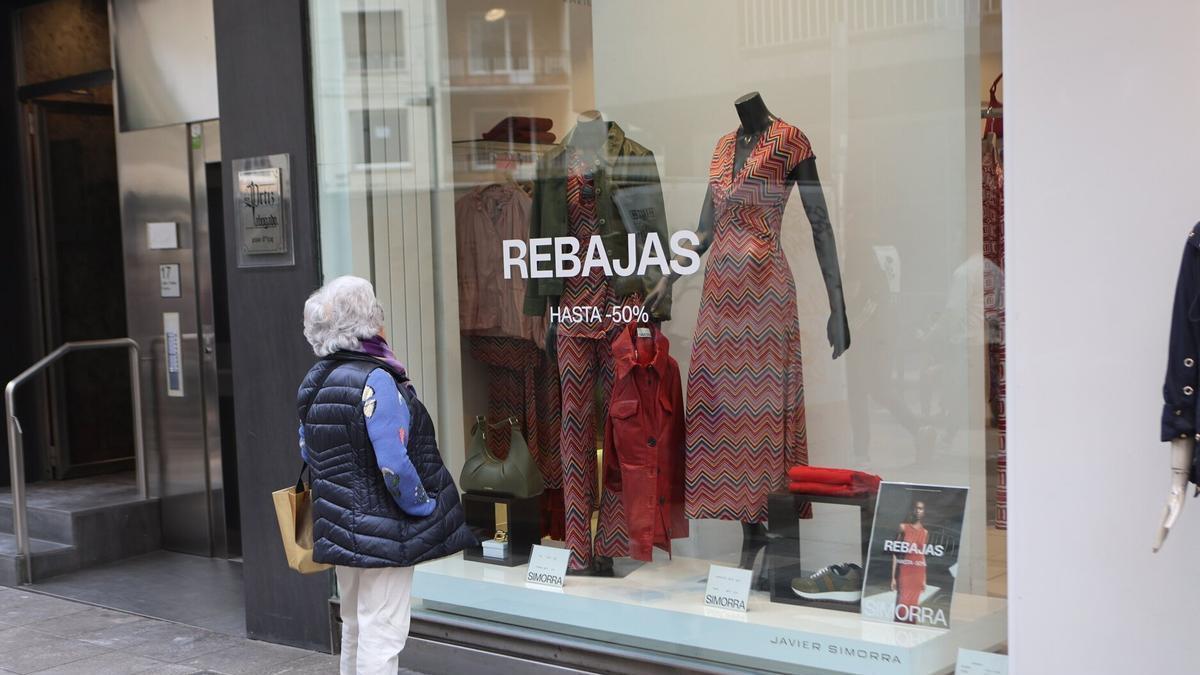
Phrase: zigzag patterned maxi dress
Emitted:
{"points": [[745, 395]]}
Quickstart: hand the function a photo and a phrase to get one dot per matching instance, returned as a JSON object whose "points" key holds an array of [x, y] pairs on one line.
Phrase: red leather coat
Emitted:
{"points": [[644, 439]]}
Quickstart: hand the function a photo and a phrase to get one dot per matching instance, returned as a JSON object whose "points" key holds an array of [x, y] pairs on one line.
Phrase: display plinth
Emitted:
{"points": [[660, 606], [784, 560], [524, 527]]}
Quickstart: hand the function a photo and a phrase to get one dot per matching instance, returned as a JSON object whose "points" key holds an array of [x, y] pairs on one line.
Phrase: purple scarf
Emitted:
{"points": [[378, 347]]}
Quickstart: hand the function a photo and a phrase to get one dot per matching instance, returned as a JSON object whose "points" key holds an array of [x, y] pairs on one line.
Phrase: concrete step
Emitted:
{"points": [[47, 524], [49, 559], [101, 518]]}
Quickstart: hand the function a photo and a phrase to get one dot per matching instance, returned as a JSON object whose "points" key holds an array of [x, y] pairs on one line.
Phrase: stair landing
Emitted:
{"points": [[79, 523]]}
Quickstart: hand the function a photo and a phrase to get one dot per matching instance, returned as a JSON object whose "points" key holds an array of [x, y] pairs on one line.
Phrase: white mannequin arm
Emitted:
{"points": [[1181, 462]]}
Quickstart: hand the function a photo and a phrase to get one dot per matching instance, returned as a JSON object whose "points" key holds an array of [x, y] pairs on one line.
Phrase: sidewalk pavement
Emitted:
{"points": [[46, 635]]}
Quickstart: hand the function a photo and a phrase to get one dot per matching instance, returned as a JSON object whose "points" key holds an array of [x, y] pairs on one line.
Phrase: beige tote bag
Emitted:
{"points": [[293, 510]]}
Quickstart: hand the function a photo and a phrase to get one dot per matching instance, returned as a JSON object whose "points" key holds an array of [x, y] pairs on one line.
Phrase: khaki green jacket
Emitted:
{"points": [[628, 200]]}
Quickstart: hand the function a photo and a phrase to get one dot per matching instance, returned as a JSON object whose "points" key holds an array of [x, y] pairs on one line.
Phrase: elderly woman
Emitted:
{"points": [[382, 499]]}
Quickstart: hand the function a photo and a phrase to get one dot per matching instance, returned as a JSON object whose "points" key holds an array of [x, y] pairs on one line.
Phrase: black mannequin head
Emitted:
{"points": [[753, 112]]}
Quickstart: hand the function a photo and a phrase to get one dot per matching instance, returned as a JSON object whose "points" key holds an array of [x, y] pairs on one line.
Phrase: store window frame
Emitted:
{"points": [[493, 89]]}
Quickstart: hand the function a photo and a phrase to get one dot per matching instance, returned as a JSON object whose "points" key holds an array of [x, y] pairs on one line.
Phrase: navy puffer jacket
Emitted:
{"points": [[356, 522]]}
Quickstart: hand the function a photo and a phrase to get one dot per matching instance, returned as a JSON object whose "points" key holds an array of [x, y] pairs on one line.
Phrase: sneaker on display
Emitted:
{"points": [[838, 583]]}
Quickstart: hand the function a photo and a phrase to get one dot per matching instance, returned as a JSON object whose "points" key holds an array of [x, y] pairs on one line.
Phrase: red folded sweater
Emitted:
{"points": [[820, 480], [522, 130], [828, 490]]}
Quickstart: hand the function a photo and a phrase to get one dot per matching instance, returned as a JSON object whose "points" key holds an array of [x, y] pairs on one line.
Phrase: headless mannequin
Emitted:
{"points": [[590, 136], [591, 133], [1181, 463], [756, 119]]}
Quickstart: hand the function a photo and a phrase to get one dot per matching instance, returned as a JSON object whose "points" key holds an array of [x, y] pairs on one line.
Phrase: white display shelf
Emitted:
{"points": [[660, 606]]}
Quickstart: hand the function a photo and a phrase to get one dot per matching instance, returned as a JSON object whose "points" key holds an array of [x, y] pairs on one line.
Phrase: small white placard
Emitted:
{"points": [[172, 343], [971, 662], [168, 281], [548, 566], [162, 235], [728, 588]]}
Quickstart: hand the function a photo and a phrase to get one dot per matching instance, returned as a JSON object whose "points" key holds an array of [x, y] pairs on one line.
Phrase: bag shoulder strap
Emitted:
{"points": [[517, 447], [478, 445], [300, 478]]}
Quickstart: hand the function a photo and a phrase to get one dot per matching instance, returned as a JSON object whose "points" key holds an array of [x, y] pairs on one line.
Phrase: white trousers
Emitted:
{"points": [[376, 606]]}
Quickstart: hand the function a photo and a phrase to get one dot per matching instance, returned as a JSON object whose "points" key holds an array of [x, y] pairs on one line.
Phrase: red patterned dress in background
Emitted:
{"points": [[993, 309]]}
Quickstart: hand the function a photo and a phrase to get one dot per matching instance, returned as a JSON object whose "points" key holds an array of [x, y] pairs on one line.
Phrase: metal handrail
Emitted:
{"points": [[16, 452]]}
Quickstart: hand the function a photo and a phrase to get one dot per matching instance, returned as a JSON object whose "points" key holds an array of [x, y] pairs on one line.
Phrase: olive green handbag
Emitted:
{"points": [[515, 475]]}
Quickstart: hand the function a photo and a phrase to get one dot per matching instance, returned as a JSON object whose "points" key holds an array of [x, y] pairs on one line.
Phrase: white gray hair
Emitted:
{"points": [[340, 314]]}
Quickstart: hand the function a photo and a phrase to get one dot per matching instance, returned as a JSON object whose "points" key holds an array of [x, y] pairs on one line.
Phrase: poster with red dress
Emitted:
{"points": [[913, 555]]}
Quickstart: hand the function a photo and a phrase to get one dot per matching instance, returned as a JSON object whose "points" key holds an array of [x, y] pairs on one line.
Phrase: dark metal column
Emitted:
{"points": [[263, 85]]}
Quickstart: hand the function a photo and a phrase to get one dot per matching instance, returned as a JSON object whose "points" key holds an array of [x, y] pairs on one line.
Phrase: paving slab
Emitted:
{"points": [[52, 636]]}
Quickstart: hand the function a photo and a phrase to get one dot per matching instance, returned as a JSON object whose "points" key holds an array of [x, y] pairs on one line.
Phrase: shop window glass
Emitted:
{"points": [[662, 256]]}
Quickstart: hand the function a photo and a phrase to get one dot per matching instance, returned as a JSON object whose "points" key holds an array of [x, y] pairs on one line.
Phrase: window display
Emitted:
{"points": [[590, 254]]}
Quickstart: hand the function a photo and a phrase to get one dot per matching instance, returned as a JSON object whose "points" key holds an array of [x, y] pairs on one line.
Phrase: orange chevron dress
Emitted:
{"points": [[745, 394]]}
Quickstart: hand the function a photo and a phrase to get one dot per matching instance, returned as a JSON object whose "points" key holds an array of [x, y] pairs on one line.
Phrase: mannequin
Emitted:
{"points": [[756, 120], [577, 195], [1180, 385], [589, 137], [591, 132], [1182, 450]]}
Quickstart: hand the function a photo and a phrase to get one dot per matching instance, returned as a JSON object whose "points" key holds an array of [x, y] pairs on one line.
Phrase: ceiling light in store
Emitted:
{"points": [[495, 14]]}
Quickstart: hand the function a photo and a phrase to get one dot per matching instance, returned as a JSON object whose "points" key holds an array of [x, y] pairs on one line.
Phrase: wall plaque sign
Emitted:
{"points": [[260, 211], [263, 206]]}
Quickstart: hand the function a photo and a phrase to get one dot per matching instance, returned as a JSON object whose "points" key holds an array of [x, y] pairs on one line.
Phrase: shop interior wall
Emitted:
{"points": [[991, 51], [378, 75], [890, 104], [1100, 195], [560, 87], [390, 219], [266, 110]]}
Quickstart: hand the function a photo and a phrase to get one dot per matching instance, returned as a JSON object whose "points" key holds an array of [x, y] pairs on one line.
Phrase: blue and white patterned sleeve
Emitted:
{"points": [[388, 425], [303, 448]]}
